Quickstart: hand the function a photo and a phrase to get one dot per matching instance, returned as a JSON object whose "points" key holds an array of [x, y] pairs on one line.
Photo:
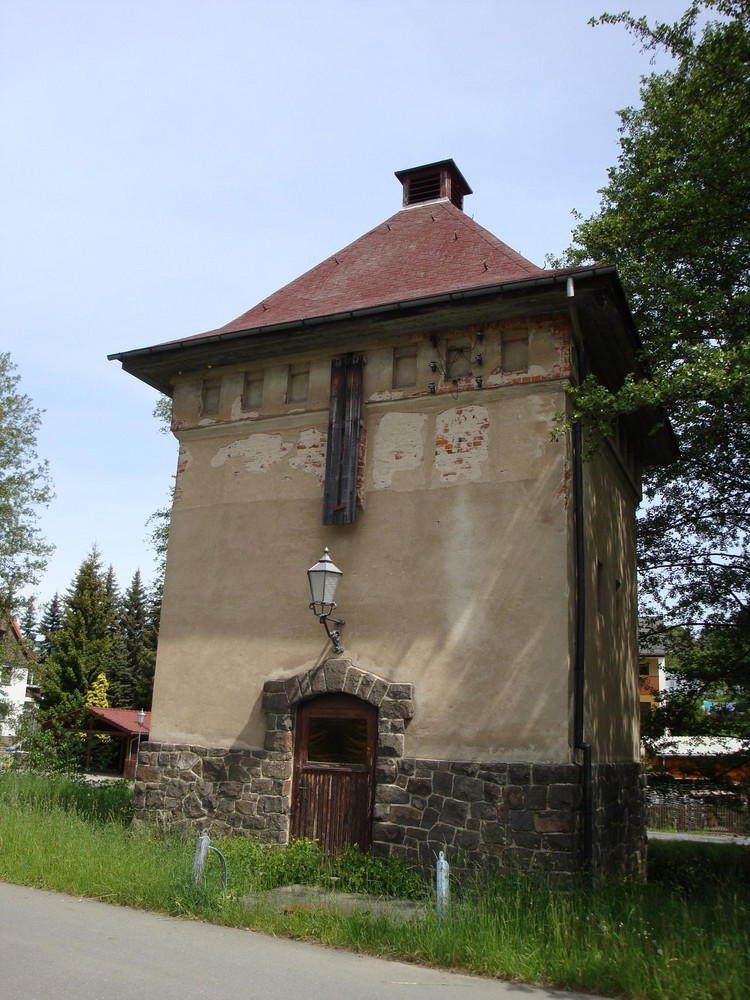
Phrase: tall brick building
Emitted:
{"points": [[396, 405]]}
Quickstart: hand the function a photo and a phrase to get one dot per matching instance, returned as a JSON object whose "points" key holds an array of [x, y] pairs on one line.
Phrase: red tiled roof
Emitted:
{"points": [[425, 250], [123, 718]]}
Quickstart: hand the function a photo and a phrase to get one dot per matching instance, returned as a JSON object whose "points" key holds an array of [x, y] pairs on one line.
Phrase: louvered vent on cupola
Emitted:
{"points": [[432, 182]]}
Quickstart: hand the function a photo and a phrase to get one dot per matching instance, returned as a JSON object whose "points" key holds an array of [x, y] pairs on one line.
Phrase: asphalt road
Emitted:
{"points": [[66, 948]]}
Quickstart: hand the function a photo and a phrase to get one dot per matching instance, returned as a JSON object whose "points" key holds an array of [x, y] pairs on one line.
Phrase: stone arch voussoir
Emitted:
{"points": [[394, 701]]}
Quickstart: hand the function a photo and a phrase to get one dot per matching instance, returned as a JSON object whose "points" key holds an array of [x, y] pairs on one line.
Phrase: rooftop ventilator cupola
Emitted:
{"points": [[432, 182]]}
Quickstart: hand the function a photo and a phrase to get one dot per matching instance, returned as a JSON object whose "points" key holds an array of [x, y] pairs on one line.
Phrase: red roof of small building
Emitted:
{"points": [[123, 718], [424, 250]]}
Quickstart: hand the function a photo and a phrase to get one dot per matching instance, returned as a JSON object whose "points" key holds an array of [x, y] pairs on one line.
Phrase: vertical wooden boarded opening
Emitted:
{"points": [[334, 771], [344, 429]]}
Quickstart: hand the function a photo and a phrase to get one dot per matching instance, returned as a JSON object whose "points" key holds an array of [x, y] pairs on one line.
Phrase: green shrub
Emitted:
{"points": [[697, 869], [360, 872], [256, 867], [49, 750]]}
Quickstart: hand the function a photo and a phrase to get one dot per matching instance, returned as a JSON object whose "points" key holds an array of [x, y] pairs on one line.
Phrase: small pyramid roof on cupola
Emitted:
{"points": [[430, 247]]}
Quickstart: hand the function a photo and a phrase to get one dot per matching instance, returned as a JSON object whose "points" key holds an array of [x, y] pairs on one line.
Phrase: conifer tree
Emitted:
{"points": [[132, 683], [84, 644], [49, 626], [96, 696]]}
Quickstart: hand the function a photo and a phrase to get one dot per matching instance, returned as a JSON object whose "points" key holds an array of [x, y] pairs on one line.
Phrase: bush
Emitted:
{"points": [[49, 750], [699, 870], [257, 867]]}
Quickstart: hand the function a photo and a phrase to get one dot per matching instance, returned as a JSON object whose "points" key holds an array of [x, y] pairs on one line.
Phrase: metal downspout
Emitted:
{"points": [[579, 667]]}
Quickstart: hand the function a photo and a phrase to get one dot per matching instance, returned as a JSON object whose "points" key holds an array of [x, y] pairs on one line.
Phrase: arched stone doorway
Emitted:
{"points": [[384, 707]]}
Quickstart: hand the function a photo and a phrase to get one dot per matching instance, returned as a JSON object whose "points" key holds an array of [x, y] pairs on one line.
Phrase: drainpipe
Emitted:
{"points": [[579, 666]]}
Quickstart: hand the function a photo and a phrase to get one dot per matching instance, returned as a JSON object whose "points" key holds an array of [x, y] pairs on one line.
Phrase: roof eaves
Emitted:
{"points": [[522, 284]]}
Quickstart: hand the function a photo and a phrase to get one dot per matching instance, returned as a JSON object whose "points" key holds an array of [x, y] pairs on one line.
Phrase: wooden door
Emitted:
{"points": [[334, 771]]}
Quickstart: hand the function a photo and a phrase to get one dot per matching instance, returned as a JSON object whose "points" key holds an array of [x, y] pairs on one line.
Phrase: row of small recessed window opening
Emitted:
{"points": [[514, 351]]}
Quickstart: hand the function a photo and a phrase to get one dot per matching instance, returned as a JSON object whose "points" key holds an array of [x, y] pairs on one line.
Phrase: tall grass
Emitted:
{"points": [[684, 936]]}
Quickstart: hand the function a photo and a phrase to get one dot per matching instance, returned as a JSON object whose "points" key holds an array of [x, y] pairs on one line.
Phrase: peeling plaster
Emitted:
{"points": [[309, 453], [259, 451], [461, 442], [566, 485], [389, 395], [184, 461], [398, 447], [238, 413]]}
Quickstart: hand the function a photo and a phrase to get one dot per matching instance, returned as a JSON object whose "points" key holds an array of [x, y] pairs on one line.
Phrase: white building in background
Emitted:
{"points": [[15, 679], [13, 696]]}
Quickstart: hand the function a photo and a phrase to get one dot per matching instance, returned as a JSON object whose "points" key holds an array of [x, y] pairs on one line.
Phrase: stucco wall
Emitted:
{"points": [[456, 575], [612, 710]]}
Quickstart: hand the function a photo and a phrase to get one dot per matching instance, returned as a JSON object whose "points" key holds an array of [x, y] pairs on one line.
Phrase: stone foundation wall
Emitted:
{"points": [[499, 815], [226, 791], [619, 808], [496, 815], [508, 815]]}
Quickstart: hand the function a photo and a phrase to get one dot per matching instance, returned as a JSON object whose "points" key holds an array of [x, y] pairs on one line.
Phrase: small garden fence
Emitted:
{"points": [[696, 816]]}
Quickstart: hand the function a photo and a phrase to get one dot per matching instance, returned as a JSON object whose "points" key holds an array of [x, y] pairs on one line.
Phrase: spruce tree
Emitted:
{"points": [[132, 686], [85, 643], [49, 626]]}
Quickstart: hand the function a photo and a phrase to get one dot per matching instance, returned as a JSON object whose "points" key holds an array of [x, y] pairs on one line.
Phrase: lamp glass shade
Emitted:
{"points": [[324, 579], [140, 717]]}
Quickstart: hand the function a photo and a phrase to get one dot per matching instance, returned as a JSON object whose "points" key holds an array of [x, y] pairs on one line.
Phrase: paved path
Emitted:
{"points": [[79, 949]]}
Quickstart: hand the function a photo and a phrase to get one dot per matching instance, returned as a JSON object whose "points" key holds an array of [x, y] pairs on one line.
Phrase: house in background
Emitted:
{"points": [[122, 726], [654, 678], [698, 760], [398, 405], [17, 681], [111, 737]]}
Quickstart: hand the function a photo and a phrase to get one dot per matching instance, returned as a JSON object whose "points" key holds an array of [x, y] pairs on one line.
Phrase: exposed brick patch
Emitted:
{"points": [[309, 453], [361, 464], [183, 463], [461, 442]]}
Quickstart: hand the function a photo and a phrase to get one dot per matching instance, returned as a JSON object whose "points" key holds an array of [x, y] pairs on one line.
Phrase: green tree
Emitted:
{"points": [[49, 626], [24, 488], [675, 218], [159, 520], [85, 644], [96, 696], [132, 686], [15, 657]]}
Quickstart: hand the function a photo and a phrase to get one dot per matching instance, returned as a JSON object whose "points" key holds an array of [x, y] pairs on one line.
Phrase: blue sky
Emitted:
{"points": [[167, 163]]}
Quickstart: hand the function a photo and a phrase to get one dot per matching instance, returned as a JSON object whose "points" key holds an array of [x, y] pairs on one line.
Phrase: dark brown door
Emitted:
{"points": [[334, 771]]}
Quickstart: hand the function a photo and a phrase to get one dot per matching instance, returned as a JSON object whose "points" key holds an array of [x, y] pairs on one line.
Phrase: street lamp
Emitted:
{"points": [[324, 578], [140, 718]]}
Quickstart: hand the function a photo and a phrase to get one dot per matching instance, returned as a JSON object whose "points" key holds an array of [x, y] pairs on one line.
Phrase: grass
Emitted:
{"points": [[684, 936]]}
